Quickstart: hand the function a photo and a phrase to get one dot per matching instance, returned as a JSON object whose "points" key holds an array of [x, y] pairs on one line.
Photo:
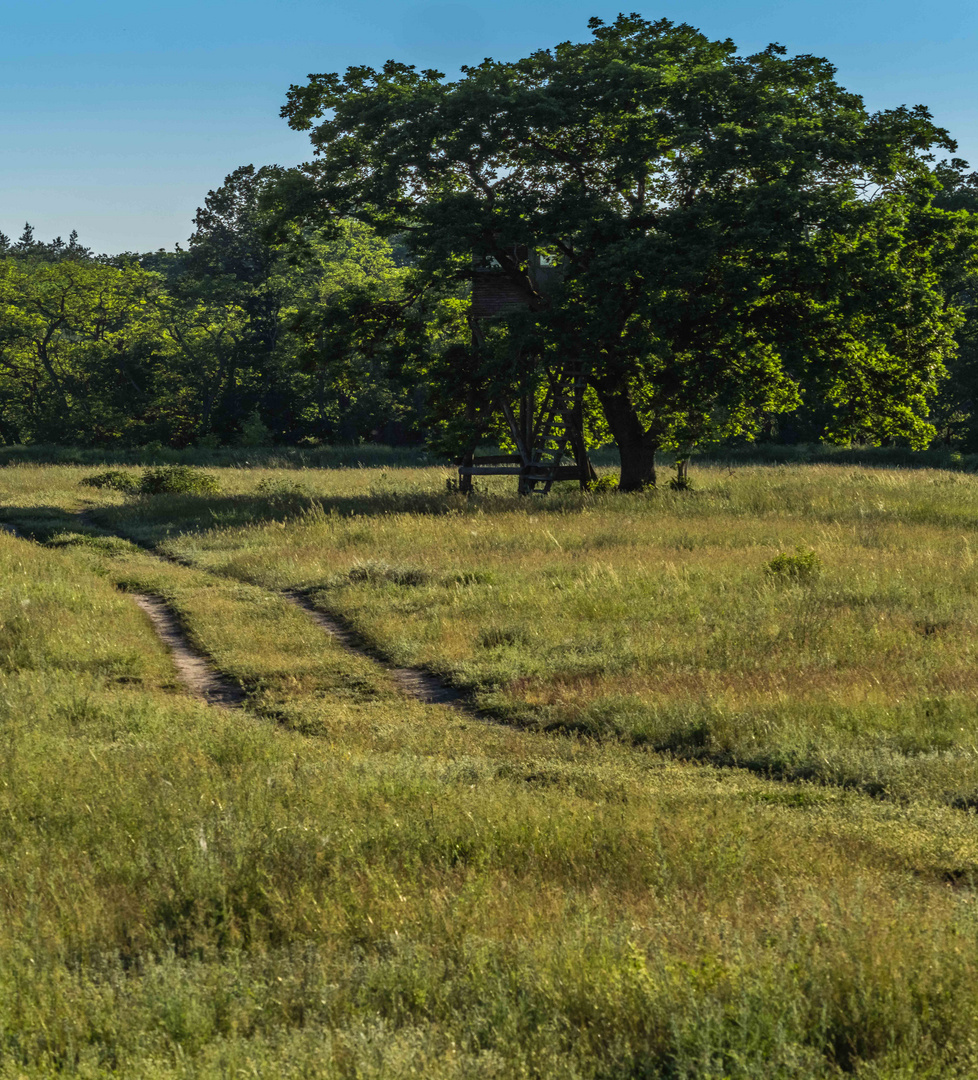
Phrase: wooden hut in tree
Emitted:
{"points": [[548, 434]]}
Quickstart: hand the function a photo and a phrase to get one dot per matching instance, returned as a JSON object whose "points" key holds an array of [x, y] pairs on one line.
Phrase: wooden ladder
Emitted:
{"points": [[542, 440]]}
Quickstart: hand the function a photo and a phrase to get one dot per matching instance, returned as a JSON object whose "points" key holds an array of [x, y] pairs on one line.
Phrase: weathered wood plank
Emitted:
{"points": [[491, 470], [561, 472], [536, 473]]}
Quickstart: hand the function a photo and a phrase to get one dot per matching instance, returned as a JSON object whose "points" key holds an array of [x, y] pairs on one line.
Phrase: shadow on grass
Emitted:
{"points": [[367, 455], [162, 517], [379, 456]]}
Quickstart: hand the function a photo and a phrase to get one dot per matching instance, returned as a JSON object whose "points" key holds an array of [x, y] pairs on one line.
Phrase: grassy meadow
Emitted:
{"points": [[715, 816]]}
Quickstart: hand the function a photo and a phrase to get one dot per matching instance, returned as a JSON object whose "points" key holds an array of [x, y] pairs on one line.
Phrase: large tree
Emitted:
{"points": [[734, 232]]}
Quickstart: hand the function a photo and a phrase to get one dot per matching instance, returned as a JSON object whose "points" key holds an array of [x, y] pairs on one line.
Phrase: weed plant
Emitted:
{"points": [[804, 565]]}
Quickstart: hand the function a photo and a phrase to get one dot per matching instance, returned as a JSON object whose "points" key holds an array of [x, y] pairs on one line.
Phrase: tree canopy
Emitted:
{"points": [[734, 233], [206, 345]]}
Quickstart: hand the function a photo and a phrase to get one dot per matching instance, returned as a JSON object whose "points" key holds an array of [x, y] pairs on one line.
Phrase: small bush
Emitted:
{"points": [[681, 481], [276, 486], [499, 637], [116, 479], [254, 432], [178, 480], [804, 565], [603, 483], [381, 573]]}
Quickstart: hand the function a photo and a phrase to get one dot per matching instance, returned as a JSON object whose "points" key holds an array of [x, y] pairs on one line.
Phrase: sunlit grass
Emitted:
{"points": [[650, 617], [340, 881]]}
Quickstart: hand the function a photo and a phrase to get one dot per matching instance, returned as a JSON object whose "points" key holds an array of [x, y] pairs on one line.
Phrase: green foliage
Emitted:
{"points": [[256, 323], [116, 479], [717, 256], [803, 566], [603, 483], [205, 347], [178, 480], [77, 341]]}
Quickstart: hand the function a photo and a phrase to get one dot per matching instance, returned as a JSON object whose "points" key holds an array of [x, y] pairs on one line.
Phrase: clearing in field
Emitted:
{"points": [[706, 809]]}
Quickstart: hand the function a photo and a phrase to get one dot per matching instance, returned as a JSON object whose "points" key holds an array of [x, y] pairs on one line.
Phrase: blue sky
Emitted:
{"points": [[116, 119]]}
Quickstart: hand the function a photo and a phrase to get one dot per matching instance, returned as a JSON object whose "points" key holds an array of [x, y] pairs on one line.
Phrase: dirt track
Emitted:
{"points": [[419, 684], [193, 670], [200, 679]]}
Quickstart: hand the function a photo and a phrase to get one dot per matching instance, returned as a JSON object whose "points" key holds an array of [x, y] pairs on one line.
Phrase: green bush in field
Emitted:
{"points": [[804, 565], [277, 486], [380, 573], [116, 479], [178, 480], [603, 483]]}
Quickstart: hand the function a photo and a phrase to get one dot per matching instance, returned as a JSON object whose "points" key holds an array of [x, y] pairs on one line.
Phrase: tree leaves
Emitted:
{"points": [[733, 231]]}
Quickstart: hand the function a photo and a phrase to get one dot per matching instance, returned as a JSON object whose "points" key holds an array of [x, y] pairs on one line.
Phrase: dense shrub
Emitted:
{"points": [[178, 480], [117, 479], [603, 483]]}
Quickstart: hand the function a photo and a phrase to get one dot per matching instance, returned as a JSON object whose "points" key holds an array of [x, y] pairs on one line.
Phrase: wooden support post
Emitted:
{"points": [[465, 473]]}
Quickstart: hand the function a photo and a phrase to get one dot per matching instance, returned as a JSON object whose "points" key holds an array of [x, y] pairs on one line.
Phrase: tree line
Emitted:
{"points": [[203, 346], [742, 250]]}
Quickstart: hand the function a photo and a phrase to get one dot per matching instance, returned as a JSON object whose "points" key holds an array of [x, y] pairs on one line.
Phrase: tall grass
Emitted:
{"points": [[652, 618], [340, 881]]}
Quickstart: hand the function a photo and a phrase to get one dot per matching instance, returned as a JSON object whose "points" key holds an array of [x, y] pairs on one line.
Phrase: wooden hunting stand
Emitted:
{"points": [[548, 435]]}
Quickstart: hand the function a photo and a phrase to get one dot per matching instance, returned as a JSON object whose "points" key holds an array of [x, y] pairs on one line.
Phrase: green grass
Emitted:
{"points": [[650, 618], [718, 832], [369, 455]]}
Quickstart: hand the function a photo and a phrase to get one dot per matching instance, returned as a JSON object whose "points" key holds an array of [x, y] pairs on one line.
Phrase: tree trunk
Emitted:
{"points": [[637, 465], [574, 422], [41, 348], [636, 446]]}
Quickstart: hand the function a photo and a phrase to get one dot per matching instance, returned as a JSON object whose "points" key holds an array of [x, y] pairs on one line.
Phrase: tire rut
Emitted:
{"points": [[194, 671], [412, 682]]}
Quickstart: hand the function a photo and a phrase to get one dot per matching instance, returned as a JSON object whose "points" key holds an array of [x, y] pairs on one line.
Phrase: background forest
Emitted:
{"points": [[781, 266], [242, 340], [213, 345]]}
